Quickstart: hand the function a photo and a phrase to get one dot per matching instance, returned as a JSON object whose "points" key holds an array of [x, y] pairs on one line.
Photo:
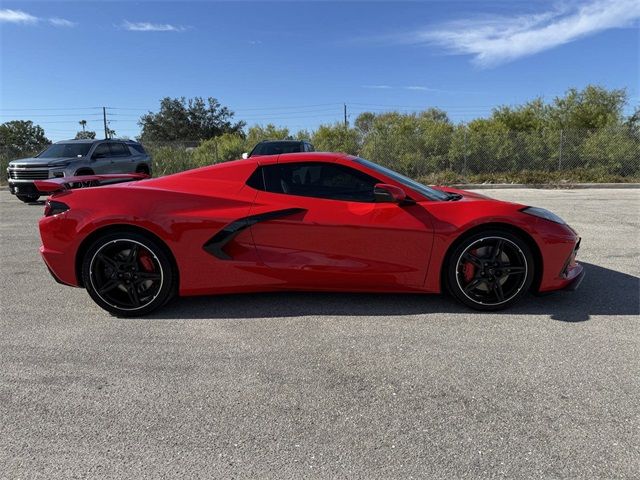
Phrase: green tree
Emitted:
{"points": [[183, 120], [489, 146], [414, 144], [613, 149], [336, 138], [303, 135], [531, 116], [258, 133], [85, 134], [434, 115], [20, 137], [364, 122], [590, 108], [633, 122], [229, 146]]}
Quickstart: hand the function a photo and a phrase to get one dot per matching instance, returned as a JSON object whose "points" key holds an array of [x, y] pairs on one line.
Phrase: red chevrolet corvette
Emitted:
{"points": [[304, 221]]}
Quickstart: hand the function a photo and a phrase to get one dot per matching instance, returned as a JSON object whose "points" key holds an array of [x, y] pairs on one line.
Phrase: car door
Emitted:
{"points": [[138, 155], [101, 158], [324, 229], [121, 159]]}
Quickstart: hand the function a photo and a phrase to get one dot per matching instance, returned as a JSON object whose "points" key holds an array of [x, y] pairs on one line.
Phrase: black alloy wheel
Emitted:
{"points": [[490, 270], [128, 274]]}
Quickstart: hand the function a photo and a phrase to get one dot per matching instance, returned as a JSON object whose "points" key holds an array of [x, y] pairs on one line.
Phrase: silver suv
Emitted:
{"points": [[76, 157]]}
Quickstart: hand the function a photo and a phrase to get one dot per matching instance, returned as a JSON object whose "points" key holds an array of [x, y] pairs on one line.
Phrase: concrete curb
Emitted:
{"points": [[480, 186]]}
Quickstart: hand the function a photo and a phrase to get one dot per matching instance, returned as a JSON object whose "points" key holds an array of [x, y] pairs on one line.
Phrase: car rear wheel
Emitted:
{"points": [[28, 198], [128, 274], [490, 270]]}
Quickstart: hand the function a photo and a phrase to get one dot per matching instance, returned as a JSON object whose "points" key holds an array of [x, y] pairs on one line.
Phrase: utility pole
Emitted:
{"points": [[345, 116], [104, 118]]}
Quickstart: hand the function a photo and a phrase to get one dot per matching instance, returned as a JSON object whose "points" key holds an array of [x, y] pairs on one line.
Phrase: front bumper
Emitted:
{"points": [[569, 272], [577, 275], [23, 188], [21, 178]]}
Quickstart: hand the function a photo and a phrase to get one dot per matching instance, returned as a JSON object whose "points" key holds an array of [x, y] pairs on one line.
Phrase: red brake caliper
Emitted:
{"points": [[146, 261], [469, 269]]}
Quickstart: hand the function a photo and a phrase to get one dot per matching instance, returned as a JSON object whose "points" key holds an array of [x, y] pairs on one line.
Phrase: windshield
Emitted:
{"points": [[430, 193], [62, 150]]}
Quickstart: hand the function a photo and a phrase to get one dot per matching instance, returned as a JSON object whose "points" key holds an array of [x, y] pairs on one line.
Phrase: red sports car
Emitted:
{"points": [[302, 221]]}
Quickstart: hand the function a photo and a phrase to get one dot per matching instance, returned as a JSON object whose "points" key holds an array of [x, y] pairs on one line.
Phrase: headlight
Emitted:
{"points": [[543, 213]]}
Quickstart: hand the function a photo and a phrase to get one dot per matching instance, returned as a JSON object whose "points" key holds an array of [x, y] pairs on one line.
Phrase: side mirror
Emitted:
{"points": [[245, 155], [385, 193]]}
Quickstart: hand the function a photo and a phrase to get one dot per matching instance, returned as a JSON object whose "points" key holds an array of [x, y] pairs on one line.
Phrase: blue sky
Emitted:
{"points": [[295, 63]]}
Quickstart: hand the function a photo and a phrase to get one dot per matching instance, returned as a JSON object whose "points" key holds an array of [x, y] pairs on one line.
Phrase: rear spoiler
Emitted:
{"points": [[65, 183]]}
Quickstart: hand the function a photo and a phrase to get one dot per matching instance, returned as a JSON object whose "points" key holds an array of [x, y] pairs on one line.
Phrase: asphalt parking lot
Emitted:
{"points": [[328, 385]]}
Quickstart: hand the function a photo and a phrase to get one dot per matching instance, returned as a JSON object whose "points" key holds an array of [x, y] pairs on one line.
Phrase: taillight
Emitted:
{"points": [[51, 207]]}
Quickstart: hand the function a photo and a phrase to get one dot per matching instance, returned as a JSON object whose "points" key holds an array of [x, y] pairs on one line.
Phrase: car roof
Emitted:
{"points": [[283, 141], [93, 140]]}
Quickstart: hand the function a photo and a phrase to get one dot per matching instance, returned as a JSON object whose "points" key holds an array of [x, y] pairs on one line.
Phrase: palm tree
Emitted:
{"points": [[83, 123]]}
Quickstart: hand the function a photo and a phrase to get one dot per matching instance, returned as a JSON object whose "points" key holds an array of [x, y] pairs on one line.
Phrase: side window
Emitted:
{"points": [[138, 148], [257, 150], [256, 180], [119, 150], [102, 151], [309, 147], [320, 180]]}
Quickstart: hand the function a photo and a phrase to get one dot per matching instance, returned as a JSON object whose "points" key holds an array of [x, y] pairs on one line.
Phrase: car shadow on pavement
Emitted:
{"points": [[603, 292]]}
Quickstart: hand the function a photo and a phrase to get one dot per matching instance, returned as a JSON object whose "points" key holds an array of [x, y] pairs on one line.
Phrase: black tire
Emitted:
{"points": [[28, 198], [484, 278], [142, 169], [129, 274]]}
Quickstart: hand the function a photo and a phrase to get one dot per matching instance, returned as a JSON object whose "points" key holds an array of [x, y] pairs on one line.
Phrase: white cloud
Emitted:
{"points": [[16, 16], [499, 39], [61, 22], [420, 88], [152, 27], [24, 18]]}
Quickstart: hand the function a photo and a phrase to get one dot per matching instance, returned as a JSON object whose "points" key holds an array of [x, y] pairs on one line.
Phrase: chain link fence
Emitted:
{"points": [[463, 155], [454, 155]]}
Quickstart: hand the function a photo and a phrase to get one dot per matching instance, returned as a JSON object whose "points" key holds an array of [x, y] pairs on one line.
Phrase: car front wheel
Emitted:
{"points": [[490, 270], [128, 274], [28, 198]]}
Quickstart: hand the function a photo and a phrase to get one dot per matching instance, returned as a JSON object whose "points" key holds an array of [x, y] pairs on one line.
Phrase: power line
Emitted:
{"points": [[287, 107], [57, 115], [46, 109], [67, 122], [421, 106], [336, 115]]}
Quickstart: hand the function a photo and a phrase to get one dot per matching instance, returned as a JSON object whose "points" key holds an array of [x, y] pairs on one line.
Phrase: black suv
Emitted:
{"points": [[276, 147]]}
